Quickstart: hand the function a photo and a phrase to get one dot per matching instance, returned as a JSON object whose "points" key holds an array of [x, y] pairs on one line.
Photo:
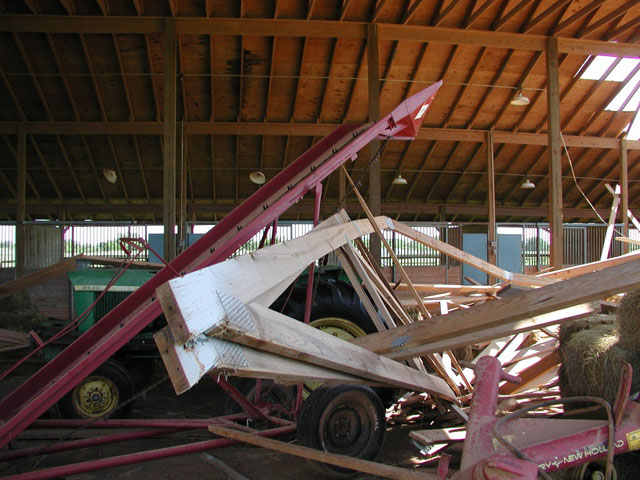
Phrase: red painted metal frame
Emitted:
{"points": [[138, 457], [121, 324], [577, 441]]}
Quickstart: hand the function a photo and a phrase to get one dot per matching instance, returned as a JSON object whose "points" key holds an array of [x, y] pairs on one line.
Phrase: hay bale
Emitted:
{"points": [[629, 320], [592, 361], [18, 313], [568, 329]]}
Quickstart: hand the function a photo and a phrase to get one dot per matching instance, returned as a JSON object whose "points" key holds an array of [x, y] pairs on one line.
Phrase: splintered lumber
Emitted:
{"points": [[572, 272], [537, 374], [365, 466], [392, 254], [187, 364], [418, 338], [435, 288], [453, 252], [454, 340], [257, 277], [632, 241], [259, 327]]}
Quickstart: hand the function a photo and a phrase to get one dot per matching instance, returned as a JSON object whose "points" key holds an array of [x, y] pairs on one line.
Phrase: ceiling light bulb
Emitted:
{"points": [[520, 99], [528, 184], [110, 175], [257, 177], [399, 180]]}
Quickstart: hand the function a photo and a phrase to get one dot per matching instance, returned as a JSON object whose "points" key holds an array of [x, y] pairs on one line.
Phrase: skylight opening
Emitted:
{"points": [[597, 69]]}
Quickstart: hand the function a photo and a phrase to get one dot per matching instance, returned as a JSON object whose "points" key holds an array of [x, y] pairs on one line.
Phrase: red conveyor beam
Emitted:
{"points": [[114, 330]]}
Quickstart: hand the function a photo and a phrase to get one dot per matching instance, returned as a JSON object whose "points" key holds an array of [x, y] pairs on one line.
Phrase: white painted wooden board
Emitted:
{"points": [[257, 276], [187, 364], [259, 327]]}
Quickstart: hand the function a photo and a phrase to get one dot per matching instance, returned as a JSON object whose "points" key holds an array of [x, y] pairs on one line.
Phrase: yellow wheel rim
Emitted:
{"points": [[338, 327], [95, 397]]}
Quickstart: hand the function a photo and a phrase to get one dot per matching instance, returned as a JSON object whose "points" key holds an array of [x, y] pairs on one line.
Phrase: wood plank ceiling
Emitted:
{"points": [[259, 81]]}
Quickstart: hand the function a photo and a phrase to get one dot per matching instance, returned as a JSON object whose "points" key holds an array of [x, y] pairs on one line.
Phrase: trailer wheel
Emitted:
{"points": [[345, 419], [99, 394]]}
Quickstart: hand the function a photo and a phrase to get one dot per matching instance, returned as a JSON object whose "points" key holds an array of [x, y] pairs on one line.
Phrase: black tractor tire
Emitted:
{"points": [[332, 302], [99, 394], [345, 419]]}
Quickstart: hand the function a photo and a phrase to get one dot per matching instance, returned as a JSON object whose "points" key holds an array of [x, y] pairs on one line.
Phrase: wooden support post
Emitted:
{"points": [[342, 190], [606, 246], [624, 184], [21, 192], [374, 147], [555, 165], [492, 239], [169, 162]]}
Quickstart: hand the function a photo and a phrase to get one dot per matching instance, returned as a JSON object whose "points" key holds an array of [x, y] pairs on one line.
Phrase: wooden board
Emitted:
{"points": [[572, 272], [413, 340], [453, 252], [39, 276], [262, 275], [259, 327], [454, 340], [187, 364], [366, 466]]}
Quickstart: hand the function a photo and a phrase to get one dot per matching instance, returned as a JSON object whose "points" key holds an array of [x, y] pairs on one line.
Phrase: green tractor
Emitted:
{"points": [[336, 309]]}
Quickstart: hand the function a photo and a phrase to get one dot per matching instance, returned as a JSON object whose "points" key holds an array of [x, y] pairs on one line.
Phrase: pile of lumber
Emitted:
{"points": [[219, 322]]}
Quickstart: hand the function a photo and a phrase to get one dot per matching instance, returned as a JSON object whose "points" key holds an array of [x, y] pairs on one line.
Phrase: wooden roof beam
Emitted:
{"points": [[610, 17], [305, 28], [580, 14], [142, 207], [298, 129]]}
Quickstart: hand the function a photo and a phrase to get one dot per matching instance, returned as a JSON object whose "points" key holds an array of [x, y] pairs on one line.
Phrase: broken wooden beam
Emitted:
{"points": [[259, 327], [187, 364], [257, 277], [464, 257], [413, 340]]}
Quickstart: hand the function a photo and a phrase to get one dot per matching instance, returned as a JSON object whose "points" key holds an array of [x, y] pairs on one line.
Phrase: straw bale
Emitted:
{"points": [[629, 320], [568, 329], [592, 361]]}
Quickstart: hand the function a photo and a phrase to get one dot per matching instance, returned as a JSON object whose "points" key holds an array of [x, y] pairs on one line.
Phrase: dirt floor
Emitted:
{"points": [[203, 401]]}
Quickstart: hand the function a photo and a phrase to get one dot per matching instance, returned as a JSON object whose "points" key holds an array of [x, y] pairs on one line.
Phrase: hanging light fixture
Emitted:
{"points": [[528, 184], [399, 180], [110, 175], [257, 177], [520, 99]]}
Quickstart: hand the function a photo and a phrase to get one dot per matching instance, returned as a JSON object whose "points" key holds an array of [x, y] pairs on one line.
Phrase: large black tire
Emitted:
{"points": [[345, 419], [99, 394], [336, 309]]}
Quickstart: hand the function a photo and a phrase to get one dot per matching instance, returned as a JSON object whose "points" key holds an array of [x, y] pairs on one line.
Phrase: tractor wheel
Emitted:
{"points": [[99, 394], [345, 419], [336, 309]]}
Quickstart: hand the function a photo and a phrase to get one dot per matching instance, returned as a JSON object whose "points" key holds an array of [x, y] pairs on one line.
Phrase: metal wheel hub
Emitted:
{"points": [[343, 427], [95, 396]]}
